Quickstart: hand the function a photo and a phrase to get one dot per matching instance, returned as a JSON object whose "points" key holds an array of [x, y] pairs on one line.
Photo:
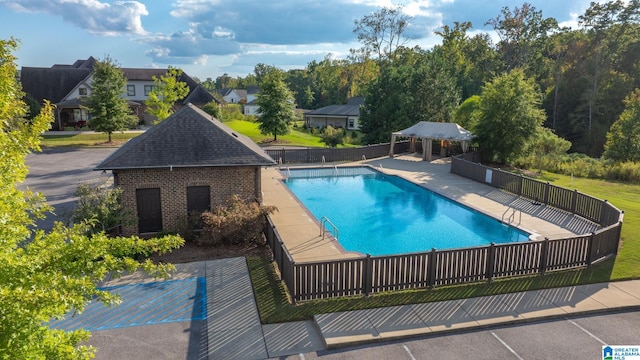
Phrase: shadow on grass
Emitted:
{"points": [[274, 305]]}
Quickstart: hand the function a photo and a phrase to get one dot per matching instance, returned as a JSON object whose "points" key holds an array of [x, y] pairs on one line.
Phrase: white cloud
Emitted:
{"points": [[100, 18]]}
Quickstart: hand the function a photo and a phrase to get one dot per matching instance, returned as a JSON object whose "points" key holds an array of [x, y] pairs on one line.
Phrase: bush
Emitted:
{"points": [[99, 205], [332, 137], [237, 222], [624, 171]]}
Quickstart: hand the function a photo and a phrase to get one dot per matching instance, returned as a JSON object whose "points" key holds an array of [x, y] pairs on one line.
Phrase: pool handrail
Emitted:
{"points": [[325, 220]]}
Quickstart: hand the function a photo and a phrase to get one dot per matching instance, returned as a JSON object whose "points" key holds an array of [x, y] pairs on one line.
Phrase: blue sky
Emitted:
{"points": [[207, 38]]}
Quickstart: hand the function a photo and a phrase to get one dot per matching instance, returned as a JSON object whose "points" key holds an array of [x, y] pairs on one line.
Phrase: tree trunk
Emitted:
{"points": [[109, 136]]}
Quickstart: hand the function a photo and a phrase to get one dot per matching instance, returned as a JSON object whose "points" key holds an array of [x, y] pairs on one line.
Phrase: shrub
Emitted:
{"points": [[624, 171], [332, 137], [99, 205], [237, 222]]}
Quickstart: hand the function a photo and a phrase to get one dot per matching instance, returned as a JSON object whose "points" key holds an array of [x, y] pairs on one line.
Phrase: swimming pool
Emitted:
{"points": [[380, 214]]}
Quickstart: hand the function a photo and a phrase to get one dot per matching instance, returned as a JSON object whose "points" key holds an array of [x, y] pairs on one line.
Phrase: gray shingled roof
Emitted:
{"points": [[352, 108], [188, 138], [56, 82], [200, 95]]}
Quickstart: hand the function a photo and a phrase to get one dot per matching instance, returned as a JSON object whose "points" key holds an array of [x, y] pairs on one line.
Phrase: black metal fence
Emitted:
{"points": [[372, 274]]}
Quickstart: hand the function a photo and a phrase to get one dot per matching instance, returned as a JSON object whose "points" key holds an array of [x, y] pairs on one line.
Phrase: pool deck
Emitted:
{"points": [[301, 232]]}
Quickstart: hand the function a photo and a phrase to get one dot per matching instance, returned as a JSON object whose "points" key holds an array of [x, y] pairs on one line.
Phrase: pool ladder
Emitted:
{"points": [[512, 217], [323, 221]]}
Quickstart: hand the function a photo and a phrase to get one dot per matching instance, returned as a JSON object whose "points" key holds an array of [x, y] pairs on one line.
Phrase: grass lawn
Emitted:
{"points": [[294, 138], [86, 139], [274, 306]]}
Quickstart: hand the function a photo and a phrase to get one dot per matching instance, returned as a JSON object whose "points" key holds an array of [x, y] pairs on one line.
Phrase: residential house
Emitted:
{"points": [[234, 96], [251, 107], [67, 85], [189, 162], [337, 116], [245, 97]]}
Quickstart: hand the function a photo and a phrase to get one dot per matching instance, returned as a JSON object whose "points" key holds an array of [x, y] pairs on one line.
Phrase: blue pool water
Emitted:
{"points": [[380, 214]]}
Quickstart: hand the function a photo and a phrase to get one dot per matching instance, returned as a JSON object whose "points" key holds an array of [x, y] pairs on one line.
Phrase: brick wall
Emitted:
{"points": [[173, 183]]}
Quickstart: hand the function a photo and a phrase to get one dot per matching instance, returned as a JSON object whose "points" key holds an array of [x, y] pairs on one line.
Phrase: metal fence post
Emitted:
{"points": [[432, 268], [368, 276], [590, 249], [520, 185], [544, 256], [546, 193], [491, 260], [574, 201]]}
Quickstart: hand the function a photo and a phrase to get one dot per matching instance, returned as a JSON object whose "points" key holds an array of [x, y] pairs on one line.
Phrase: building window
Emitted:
{"points": [[82, 91], [80, 115], [148, 89], [198, 201], [131, 90], [352, 123]]}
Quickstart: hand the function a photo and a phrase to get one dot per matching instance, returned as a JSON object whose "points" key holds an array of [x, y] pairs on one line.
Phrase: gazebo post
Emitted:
{"points": [[393, 143], [424, 149]]}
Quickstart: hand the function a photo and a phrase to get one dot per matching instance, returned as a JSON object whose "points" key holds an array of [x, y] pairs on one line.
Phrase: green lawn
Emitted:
{"points": [[247, 128], [274, 306], [294, 138], [85, 139]]}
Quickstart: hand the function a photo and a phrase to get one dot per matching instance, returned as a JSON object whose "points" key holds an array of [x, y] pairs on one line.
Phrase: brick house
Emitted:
{"points": [[190, 162]]}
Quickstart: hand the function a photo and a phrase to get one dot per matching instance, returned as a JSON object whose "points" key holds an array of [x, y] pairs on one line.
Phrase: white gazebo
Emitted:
{"points": [[428, 131]]}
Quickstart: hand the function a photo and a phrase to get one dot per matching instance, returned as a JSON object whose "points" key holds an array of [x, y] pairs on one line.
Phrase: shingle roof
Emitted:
{"points": [[200, 95], [52, 83], [188, 138], [55, 82], [336, 110]]}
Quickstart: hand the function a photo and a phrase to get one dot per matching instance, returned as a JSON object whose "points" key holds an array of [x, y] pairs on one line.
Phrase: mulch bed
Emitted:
{"points": [[191, 252]]}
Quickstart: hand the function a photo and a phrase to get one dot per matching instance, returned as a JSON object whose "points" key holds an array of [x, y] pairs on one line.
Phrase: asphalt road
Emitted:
{"points": [[57, 173], [566, 339]]}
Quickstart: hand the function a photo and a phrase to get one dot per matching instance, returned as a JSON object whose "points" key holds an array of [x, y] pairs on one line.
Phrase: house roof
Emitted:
{"points": [[352, 108], [188, 138], [200, 95], [55, 82], [52, 83]]}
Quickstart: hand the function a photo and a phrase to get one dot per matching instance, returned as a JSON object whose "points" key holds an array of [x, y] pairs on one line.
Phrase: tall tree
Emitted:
{"points": [[167, 90], [523, 33], [276, 105], [381, 32], [45, 275], [608, 26], [623, 139], [109, 110], [508, 114], [437, 95], [387, 104]]}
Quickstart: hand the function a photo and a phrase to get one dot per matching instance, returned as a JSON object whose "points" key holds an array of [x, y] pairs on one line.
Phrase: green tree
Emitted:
{"points": [[543, 148], [623, 139], [464, 116], [212, 109], [508, 115], [276, 105], [332, 137], [45, 275], [100, 206], [109, 111], [523, 33], [381, 32], [387, 104], [167, 89]]}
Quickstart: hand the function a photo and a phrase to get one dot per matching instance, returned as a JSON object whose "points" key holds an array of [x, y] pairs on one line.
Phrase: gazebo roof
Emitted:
{"points": [[436, 130]]}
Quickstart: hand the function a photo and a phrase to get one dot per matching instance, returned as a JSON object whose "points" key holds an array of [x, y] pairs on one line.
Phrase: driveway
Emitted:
{"points": [[57, 173]]}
